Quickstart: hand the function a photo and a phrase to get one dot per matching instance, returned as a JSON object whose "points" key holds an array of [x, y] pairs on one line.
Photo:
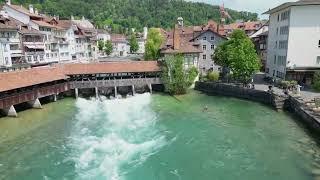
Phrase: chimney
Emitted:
{"points": [[31, 9], [8, 2], [176, 38], [180, 22], [145, 33]]}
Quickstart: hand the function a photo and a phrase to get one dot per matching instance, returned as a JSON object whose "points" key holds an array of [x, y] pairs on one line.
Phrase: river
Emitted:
{"points": [[156, 137]]}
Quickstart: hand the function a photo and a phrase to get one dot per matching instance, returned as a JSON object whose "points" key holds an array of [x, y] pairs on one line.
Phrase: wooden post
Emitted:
{"points": [[150, 88], [133, 90], [97, 92], [115, 92], [76, 92]]}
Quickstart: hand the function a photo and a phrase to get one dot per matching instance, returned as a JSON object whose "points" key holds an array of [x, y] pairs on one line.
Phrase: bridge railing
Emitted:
{"points": [[113, 83], [33, 94]]}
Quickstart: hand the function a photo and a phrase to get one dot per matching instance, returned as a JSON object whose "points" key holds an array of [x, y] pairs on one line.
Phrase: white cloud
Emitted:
{"points": [[258, 6]]}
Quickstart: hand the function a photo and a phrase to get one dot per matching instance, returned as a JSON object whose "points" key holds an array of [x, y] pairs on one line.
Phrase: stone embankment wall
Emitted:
{"points": [[279, 102], [309, 117], [231, 90]]}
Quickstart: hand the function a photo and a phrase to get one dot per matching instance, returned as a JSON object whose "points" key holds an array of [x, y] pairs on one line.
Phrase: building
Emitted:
{"points": [[196, 43], [260, 40], [62, 41], [294, 41], [120, 45], [10, 47], [249, 27]]}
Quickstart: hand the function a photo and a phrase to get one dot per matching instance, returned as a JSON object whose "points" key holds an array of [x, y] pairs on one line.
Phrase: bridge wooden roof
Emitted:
{"points": [[24, 78], [111, 67]]}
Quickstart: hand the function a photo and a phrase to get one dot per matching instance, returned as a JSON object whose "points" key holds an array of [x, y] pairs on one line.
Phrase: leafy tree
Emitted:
{"points": [[154, 42], [100, 45], [176, 79], [108, 47], [239, 55], [134, 46]]}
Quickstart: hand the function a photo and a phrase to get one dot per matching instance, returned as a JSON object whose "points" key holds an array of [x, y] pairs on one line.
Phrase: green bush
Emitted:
{"points": [[192, 74], [316, 81], [213, 76]]}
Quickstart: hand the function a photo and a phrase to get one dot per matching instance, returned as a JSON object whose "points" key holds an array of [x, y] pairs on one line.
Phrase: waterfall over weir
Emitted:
{"points": [[109, 134]]}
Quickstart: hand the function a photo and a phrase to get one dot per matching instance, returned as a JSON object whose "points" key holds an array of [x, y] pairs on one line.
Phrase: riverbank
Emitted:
{"points": [[275, 100]]}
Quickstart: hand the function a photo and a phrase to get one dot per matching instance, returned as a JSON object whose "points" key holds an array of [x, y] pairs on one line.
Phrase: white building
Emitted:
{"points": [[120, 45], [10, 47], [294, 40]]}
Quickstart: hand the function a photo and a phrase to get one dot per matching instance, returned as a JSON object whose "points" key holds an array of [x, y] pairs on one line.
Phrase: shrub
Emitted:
{"points": [[213, 76], [316, 81], [192, 74]]}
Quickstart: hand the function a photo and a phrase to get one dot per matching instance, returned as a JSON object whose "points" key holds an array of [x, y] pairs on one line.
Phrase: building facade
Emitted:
{"points": [[294, 41]]}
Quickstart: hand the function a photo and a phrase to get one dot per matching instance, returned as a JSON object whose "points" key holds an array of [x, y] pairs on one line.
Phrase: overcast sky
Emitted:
{"points": [[258, 6]]}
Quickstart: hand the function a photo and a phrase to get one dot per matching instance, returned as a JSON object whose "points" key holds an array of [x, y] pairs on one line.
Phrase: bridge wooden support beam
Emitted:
{"points": [[97, 92], [10, 111], [76, 92], [55, 98], [133, 90], [150, 88], [35, 104], [115, 92]]}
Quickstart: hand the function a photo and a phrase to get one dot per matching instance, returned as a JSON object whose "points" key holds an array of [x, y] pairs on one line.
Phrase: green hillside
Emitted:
{"points": [[123, 14]]}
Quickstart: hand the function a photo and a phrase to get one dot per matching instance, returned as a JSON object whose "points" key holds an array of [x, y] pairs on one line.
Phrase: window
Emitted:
{"points": [[204, 57], [29, 58], [318, 60], [283, 44], [284, 30], [285, 15], [212, 47], [204, 38], [212, 38], [6, 60], [275, 59], [277, 31], [276, 45], [267, 70], [204, 47], [41, 57], [278, 17], [319, 44], [274, 72]]}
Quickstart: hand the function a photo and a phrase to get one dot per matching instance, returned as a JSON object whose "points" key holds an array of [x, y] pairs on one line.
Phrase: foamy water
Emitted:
{"points": [[109, 134]]}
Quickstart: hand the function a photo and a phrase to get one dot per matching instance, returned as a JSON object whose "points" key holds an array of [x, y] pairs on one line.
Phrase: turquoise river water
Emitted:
{"points": [[156, 137]]}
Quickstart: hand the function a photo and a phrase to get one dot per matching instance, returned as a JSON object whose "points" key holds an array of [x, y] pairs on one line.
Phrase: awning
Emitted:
{"points": [[35, 46]]}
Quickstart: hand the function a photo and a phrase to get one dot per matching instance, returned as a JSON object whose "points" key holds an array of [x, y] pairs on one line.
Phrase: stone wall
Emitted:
{"points": [[309, 118], [232, 90]]}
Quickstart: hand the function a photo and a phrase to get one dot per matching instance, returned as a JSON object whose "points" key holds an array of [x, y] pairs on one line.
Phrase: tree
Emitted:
{"points": [[108, 47], [316, 81], [100, 45], [134, 46], [154, 42], [239, 55], [174, 76]]}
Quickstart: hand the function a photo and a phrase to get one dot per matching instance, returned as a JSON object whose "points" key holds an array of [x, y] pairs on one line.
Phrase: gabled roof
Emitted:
{"points": [[209, 30], [118, 38], [289, 4], [23, 10], [43, 24]]}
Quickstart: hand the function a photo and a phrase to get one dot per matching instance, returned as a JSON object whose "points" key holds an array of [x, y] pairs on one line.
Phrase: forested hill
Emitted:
{"points": [[122, 14]]}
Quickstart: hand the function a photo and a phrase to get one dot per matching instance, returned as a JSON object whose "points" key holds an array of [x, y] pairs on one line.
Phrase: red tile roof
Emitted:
{"points": [[23, 10], [111, 67], [24, 78]]}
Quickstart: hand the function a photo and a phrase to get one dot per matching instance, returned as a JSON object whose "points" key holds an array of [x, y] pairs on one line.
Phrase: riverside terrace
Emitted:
{"points": [[29, 85]]}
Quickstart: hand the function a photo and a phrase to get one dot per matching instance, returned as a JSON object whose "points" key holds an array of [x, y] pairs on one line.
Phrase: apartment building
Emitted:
{"points": [[120, 45], [294, 41], [260, 40], [10, 47]]}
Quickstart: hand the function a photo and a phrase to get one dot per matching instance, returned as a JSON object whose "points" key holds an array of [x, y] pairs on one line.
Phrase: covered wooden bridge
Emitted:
{"points": [[29, 85]]}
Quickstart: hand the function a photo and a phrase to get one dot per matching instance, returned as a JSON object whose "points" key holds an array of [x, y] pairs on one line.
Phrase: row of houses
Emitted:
{"points": [[28, 37], [198, 43]]}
